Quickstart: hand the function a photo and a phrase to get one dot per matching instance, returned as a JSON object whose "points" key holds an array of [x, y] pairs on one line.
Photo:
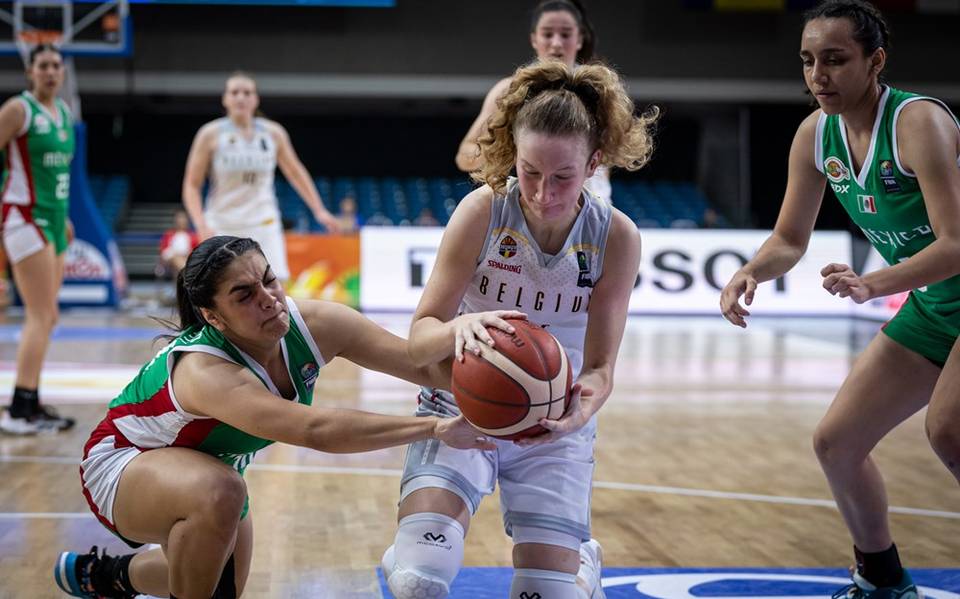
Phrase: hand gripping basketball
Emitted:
{"points": [[508, 387], [471, 330]]}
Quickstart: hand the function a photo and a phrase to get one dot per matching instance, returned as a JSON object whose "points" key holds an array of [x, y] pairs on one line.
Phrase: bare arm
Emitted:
{"points": [[207, 385], [435, 333], [12, 117], [198, 165], [468, 154], [929, 143], [298, 176], [788, 242], [608, 312], [342, 331], [607, 317]]}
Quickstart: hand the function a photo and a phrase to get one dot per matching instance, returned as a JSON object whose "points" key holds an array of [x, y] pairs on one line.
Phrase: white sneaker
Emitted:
{"points": [[591, 564]]}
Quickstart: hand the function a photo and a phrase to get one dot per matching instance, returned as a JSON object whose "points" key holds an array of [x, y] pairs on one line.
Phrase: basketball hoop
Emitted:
{"points": [[33, 37]]}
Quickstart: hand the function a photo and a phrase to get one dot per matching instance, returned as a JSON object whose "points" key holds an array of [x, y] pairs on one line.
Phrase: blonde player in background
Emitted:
{"points": [[239, 153], [559, 30], [555, 126]]}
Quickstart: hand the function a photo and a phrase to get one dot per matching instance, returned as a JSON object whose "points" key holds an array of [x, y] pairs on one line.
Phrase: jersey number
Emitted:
{"points": [[249, 178], [62, 192]]}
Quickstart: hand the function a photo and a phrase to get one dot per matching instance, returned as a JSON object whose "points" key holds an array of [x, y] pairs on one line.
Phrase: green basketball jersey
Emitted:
{"points": [[884, 199], [37, 166], [147, 415]]}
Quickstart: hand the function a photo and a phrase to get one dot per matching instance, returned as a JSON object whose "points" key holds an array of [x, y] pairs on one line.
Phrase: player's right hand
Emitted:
{"points": [[470, 330], [204, 233], [741, 284], [458, 433]]}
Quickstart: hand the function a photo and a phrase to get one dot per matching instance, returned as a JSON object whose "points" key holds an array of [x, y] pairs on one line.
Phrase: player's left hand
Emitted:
{"points": [[328, 220], [840, 280], [576, 416]]}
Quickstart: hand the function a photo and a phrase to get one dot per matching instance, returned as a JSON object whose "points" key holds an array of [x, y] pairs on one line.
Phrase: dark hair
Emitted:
{"points": [[870, 29], [576, 9], [198, 280], [39, 49]]}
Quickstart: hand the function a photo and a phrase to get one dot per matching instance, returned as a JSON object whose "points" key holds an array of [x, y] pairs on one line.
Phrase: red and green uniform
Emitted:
{"points": [[36, 180], [146, 415], [885, 201]]}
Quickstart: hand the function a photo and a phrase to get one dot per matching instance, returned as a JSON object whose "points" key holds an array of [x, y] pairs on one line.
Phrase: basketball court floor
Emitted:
{"points": [[706, 482]]}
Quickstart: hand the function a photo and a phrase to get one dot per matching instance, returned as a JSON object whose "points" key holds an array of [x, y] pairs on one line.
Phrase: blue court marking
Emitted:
{"points": [[11, 333], [686, 583]]}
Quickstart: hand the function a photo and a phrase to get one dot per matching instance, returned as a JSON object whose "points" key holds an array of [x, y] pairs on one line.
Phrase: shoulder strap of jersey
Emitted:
{"points": [[893, 128]]}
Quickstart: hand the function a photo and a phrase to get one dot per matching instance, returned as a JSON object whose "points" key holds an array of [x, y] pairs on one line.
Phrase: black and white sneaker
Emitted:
{"points": [[17, 424], [51, 419]]}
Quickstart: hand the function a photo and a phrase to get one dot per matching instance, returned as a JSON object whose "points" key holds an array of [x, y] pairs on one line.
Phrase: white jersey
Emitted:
{"points": [[241, 181], [554, 291]]}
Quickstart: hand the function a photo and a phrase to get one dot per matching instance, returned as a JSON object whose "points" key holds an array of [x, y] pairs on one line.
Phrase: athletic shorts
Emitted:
{"points": [[100, 469], [918, 328], [269, 235], [544, 487], [26, 231], [104, 460]]}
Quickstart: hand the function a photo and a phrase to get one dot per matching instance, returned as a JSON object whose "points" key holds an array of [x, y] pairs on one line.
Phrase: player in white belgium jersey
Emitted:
{"points": [[543, 244], [239, 153], [560, 31]]}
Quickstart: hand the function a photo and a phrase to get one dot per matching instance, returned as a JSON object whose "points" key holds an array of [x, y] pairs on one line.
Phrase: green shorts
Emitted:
{"points": [[54, 227], [918, 328]]}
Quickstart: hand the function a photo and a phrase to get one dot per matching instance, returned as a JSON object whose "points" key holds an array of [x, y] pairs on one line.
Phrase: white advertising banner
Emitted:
{"points": [[681, 272]]}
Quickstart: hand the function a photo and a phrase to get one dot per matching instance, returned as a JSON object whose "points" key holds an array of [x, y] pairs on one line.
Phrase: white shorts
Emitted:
{"points": [[541, 487], [100, 473], [270, 237], [21, 238]]}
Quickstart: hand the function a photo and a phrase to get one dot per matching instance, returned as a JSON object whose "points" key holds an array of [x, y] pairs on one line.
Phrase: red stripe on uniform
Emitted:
{"points": [[27, 170], [159, 403], [93, 506], [194, 433]]}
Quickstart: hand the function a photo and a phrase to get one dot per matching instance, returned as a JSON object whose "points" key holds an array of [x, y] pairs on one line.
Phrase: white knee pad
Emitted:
{"points": [[425, 557], [529, 583]]}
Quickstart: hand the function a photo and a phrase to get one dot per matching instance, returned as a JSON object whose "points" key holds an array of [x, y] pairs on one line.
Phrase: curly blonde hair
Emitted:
{"points": [[551, 98]]}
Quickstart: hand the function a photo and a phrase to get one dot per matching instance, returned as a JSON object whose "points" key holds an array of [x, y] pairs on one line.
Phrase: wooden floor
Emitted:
{"points": [[704, 459]]}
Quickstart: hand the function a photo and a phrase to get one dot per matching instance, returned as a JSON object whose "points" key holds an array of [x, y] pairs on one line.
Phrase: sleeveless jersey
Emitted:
{"points": [[554, 291], [241, 182], [884, 199], [36, 172], [146, 414]]}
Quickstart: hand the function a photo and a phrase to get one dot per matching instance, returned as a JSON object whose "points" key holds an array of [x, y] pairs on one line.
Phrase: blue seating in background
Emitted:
{"points": [[394, 201], [111, 194]]}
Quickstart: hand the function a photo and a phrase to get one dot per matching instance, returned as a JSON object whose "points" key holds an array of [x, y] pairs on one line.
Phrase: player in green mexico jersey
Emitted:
{"points": [[890, 157], [36, 134], [166, 464]]}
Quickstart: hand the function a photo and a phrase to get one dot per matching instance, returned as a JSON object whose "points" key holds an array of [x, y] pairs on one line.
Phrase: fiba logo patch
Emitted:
{"points": [[309, 372], [886, 168], [508, 247], [835, 170]]}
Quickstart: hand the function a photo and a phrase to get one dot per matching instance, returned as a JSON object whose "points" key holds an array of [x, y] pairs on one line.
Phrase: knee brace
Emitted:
{"points": [[425, 557], [529, 583]]}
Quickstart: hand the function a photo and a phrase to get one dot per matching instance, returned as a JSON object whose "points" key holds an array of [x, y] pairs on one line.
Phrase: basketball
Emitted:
{"points": [[508, 388]]}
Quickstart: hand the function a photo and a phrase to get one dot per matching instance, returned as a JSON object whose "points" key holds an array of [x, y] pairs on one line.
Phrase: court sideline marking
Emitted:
{"points": [[616, 486]]}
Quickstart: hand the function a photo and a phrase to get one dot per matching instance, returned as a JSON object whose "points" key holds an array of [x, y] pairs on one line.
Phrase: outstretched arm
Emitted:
{"points": [[207, 385]]}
